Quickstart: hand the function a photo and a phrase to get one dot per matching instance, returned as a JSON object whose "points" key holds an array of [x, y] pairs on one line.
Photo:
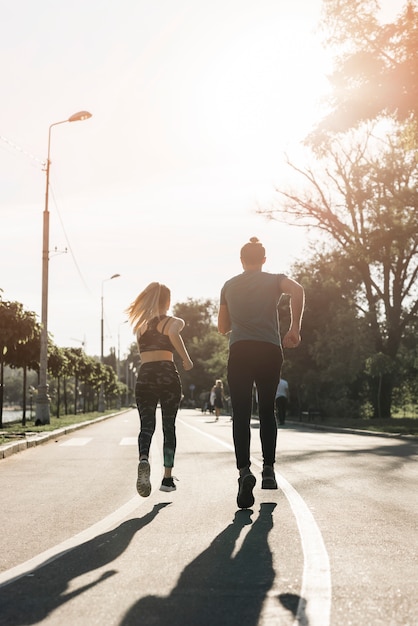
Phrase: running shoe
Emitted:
{"points": [[143, 484], [268, 478], [246, 484], [168, 484]]}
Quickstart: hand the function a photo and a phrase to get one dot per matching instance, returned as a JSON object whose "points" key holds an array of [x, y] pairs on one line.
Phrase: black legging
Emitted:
{"points": [[252, 362], [158, 382]]}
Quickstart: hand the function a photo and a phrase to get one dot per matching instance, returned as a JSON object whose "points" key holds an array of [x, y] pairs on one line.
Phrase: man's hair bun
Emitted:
{"points": [[253, 252]]}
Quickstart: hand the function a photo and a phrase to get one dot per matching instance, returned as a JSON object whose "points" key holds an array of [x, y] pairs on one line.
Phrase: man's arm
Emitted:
{"points": [[297, 304], [224, 321]]}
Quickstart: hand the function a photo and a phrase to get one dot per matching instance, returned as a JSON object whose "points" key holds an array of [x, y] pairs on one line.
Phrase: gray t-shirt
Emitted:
{"points": [[252, 299]]}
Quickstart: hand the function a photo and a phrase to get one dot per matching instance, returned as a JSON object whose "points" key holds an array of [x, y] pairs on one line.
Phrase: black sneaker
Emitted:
{"points": [[168, 484], [268, 478], [143, 484], [246, 484]]}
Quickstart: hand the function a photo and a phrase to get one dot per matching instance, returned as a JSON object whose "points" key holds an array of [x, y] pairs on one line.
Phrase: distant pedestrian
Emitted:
{"points": [[217, 394], [281, 400], [204, 401], [248, 311], [158, 336]]}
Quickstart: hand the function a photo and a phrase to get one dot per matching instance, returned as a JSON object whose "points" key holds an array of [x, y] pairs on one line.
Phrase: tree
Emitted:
{"points": [[111, 359], [207, 348], [111, 386], [377, 366], [365, 200], [57, 366], [198, 315], [75, 358], [16, 326], [127, 368], [66, 373], [325, 373], [26, 356], [376, 65]]}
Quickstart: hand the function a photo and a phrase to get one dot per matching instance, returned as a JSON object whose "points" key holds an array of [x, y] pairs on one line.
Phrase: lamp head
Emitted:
{"points": [[80, 116], [115, 276]]}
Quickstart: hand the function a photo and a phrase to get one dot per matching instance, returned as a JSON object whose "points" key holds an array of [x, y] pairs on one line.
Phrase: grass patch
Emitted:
{"points": [[15, 430]]}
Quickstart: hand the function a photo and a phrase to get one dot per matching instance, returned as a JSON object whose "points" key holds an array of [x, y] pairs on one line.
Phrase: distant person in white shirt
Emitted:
{"points": [[281, 401]]}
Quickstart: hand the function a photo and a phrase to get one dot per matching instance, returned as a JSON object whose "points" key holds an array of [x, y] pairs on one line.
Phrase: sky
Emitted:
{"points": [[194, 105]]}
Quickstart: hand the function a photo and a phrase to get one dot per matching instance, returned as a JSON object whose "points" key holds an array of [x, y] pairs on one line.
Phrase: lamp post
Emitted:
{"points": [[43, 400], [101, 394], [118, 362]]}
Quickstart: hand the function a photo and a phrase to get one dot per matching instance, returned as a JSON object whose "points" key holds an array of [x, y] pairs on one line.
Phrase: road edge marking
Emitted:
{"points": [[314, 606]]}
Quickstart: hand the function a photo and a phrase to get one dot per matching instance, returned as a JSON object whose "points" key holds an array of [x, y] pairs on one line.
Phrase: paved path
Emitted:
{"points": [[336, 544]]}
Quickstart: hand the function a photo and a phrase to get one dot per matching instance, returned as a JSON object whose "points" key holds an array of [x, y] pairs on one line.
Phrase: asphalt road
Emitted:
{"points": [[336, 544]]}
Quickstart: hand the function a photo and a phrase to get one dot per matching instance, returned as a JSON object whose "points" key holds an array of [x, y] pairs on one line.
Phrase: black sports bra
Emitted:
{"points": [[153, 339]]}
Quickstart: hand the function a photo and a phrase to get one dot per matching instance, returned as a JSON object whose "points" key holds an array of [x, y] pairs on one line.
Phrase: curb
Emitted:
{"points": [[353, 431], [7, 449], [340, 429]]}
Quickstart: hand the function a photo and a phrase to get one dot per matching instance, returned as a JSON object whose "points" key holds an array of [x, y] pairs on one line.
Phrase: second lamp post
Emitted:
{"points": [[101, 406]]}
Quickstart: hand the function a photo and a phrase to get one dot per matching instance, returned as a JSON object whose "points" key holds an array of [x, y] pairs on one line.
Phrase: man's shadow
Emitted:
{"points": [[30, 599], [219, 586]]}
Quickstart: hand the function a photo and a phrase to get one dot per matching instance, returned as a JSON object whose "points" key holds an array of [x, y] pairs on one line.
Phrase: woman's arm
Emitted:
{"points": [[224, 321], [175, 327]]}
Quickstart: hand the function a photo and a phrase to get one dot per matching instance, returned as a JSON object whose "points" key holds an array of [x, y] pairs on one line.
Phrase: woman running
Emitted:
{"points": [[158, 337]]}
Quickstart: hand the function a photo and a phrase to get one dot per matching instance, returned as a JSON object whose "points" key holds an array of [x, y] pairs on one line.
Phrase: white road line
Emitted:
{"points": [[76, 441], [315, 596]]}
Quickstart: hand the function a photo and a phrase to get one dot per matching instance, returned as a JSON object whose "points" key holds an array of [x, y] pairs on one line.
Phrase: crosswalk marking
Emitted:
{"points": [[76, 441], [83, 441], [129, 441]]}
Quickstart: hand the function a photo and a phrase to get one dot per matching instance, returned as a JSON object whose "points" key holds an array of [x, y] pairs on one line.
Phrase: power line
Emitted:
{"points": [[41, 162], [69, 244], [18, 148]]}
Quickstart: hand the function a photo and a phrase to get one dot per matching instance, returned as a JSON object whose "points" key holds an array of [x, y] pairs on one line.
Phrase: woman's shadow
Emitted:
{"points": [[219, 586], [30, 599]]}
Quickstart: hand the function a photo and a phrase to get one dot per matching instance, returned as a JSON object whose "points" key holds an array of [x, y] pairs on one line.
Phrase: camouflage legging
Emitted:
{"points": [[158, 382]]}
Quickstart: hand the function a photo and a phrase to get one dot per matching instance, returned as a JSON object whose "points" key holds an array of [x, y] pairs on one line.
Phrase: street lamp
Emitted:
{"points": [[101, 394], [102, 317], [43, 400], [118, 362]]}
